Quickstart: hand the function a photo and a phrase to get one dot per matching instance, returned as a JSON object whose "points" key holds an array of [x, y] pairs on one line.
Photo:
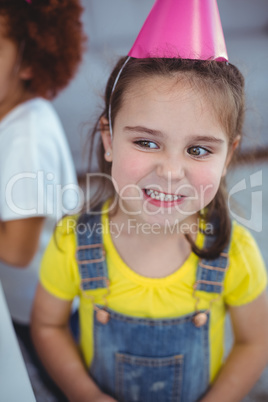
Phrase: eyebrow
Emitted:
{"points": [[157, 133], [141, 129], [206, 138]]}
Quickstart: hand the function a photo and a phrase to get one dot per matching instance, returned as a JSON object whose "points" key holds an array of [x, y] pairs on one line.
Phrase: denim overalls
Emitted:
{"points": [[143, 359]]}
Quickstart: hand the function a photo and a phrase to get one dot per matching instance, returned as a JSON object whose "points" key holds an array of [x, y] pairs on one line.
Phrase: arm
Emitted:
{"points": [[58, 351], [19, 240], [248, 356]]}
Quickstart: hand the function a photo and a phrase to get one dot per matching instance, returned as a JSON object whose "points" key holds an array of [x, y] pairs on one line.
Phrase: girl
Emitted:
{"points": [[151, 311], [41, 44], [156, 261]]}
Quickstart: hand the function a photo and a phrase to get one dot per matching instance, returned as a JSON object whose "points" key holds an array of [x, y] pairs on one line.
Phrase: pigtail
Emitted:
{"points": [[217, 217]]}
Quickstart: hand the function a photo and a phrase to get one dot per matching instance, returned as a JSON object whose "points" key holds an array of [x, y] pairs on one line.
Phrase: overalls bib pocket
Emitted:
{"points": [[144, 360], [148, 379]]}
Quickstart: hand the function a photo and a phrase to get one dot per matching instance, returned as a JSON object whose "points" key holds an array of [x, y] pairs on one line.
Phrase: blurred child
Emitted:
{"points": [[41, 44]]}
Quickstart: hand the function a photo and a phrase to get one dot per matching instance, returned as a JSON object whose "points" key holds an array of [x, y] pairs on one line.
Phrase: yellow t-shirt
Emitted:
{"points": [[168, 297]]}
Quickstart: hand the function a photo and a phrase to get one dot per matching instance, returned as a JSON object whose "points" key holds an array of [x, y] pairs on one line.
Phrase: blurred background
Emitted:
{"points": [[112, 26]]}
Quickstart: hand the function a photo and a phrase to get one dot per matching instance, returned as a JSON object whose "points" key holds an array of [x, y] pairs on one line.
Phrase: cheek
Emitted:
{"points": [[124, 173], [206, 181], [128, 167], [126, 176]]}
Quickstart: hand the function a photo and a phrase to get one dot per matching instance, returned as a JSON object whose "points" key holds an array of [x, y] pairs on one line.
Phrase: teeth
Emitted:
{"points": [[162, 196]]}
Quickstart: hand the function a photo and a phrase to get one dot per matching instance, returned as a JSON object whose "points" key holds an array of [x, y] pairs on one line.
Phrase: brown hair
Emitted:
{"points": [[50, 36], [221, 83]]}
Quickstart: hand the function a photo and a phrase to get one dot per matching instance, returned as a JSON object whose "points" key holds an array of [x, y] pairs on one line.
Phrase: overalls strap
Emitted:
{"points": [[90, 253], [93, 268], [211, 273]]}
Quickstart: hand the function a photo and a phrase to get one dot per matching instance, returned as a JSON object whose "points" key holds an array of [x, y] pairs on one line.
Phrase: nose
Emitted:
{"points": [[171, 167]]}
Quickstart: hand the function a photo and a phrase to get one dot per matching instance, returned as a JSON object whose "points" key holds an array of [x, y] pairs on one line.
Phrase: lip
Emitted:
{"points": [[164, 204]]}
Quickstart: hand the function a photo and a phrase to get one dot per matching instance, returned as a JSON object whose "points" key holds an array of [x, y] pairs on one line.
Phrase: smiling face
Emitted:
{"points": [[168, 152]]}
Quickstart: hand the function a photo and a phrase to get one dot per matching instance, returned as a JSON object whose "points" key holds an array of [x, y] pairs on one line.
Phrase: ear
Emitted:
{"points": [[232, 148], [106, 139], [26, 73]]}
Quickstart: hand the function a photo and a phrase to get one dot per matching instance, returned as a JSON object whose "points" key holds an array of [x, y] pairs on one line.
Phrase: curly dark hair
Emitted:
{"points": [[50, 36]]}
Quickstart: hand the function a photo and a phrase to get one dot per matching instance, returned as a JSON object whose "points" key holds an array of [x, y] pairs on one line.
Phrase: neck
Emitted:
{"points": [[132, 226]]}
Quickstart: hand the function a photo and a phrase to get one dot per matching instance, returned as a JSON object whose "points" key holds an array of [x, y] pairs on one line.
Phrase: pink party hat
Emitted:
{"points": [[187, 29]]}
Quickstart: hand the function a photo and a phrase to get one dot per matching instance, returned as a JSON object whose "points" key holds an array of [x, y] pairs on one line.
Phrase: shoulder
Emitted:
{"points": [[35, 107], [27, 110], [59, 272], [30, 118], [243, 243], [70, 227], [246, 276], [33, 129], [65, 231], [62, 245]]}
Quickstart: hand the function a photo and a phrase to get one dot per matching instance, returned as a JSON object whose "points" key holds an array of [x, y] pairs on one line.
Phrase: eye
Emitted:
{"points": [[146, 144], [198, 151]]}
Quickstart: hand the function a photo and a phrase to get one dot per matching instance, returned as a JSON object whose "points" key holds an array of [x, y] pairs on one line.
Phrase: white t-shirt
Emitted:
{"points": [[37, 178]]}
